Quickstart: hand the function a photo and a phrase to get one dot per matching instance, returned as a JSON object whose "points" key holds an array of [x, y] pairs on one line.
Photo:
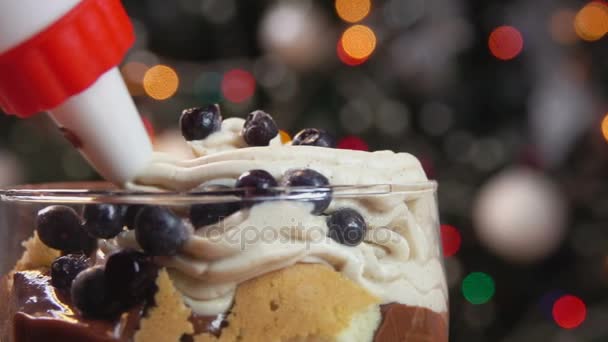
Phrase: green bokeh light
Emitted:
{"points": [[478, 288]]}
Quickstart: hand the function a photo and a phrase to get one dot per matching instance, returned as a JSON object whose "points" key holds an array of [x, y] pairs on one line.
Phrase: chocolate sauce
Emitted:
{"points": [[37, 312]]}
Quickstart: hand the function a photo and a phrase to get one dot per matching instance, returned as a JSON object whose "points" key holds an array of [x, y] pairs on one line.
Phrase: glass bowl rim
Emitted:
{"points": [[102, 192]]}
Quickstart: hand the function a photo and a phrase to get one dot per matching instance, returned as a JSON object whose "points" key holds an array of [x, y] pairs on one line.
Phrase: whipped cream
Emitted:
{"points": [[399, 260]]}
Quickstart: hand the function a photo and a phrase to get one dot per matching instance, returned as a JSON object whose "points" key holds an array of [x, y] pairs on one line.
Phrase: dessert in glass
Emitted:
{"points": [[255, 239]]}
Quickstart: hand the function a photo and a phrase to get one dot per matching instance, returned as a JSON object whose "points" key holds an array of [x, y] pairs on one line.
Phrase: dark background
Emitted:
{"points": [[528, 128]]}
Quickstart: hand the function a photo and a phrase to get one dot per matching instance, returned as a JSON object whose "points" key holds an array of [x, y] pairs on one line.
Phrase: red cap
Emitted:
{"points": [[65, 58]]}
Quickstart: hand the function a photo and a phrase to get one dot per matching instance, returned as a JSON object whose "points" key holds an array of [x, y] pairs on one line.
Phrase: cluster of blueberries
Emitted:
{"points": [[128, 277], [259, 128]]}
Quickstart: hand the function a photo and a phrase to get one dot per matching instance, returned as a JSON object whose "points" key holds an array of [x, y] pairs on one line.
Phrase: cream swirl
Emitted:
{"points": [[399, 260]]}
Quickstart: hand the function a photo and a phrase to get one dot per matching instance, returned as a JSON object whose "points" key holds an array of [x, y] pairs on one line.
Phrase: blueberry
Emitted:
{"points": [[90, 294], [259, 129], [256, 183], [209, 213], [131, 212], [64, 269], [59, 227], [311, 178], [103, 221], [159, 231], [131, 276], [314, 137], [346, 226], [199, 122]]}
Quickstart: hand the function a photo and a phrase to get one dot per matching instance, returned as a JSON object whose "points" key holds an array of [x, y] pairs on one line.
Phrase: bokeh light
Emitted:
{"points": [[450, 239], [345, 58], [285, 137], [353, 143], [561, 26], [358, 41], [569, 311], [505, 42], [591, 22], [238, 85], [160, 82], [353, 10], [605, 127], [478, 287]]}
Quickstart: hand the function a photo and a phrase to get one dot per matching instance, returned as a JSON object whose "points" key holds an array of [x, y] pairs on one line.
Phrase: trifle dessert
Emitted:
{"points": [[258, 238]]}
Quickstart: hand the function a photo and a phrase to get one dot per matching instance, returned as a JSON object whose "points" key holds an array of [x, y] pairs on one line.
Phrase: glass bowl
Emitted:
{"points": [[395, 278]]}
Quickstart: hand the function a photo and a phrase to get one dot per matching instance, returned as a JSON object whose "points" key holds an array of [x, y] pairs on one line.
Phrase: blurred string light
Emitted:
{"points": [[353, 10], [296, 32], [160, 82], [505, 42], [561, 26], [358, 41], [569, 311], [345, 58], [238, 85], [450, 240], [591, 22], [353, 143], [605, 127], [478, 287]]}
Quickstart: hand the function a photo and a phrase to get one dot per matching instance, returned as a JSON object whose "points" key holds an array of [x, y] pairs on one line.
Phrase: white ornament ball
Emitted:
{"points": [[297, 33], [520, 215]]}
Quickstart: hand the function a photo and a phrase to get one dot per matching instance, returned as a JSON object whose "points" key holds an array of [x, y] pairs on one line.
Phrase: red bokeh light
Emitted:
{"points": [[353, 143], [569, 311], [345, 58], [238, 85], [505, 42], [451, 240]]}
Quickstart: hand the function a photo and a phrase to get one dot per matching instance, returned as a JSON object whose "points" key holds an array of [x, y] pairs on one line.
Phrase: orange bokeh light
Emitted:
{"points": [[160, 82], [353, 10], [605, 127], [358, 41], [345, 58], [591, 22], [505, 42]]}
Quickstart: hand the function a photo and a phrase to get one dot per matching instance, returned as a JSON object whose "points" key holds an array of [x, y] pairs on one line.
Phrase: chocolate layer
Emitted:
{"points": [[402, 323], [37, 312]]}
